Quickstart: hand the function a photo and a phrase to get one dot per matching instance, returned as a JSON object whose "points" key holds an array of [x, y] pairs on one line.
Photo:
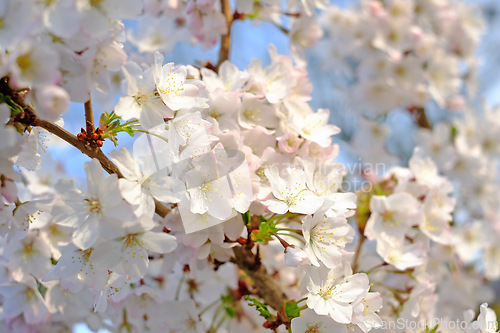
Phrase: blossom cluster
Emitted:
{"points": [[401, 54], [227, 212]]}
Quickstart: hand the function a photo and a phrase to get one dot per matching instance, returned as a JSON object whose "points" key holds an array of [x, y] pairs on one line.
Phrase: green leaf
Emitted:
{"points": [[42, 289], [261, 307], [263, 235], [246, 218], [453, 133], [431, 330], [110, 124], [14, 107], [292, 310]]}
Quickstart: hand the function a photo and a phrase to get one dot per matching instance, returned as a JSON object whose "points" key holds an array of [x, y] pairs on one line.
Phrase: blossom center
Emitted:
{"points": [[24, 62], [29, 294], [313, 328], [173, 85], [208, 190], [131, 240], [389, 219], [93, 205]]}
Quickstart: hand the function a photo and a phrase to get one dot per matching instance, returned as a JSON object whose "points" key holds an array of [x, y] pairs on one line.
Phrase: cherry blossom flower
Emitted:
{"points": [[329, 294], [311, 322], [325, 237], [175, 89], [87, 212], [24, 298], [290, 192]]}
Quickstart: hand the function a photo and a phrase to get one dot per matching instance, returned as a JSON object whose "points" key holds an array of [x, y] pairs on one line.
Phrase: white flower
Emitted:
{"points": [[156, 33], [325, 237], [77, 268], [209, 191], [400, 255], [143, 183], [314, 127], [290, 192], [176, 91], [364, 312], [141, 101], [311, 322], [24, 298], [101, 207], [33, 65], [257, 111], [330, 294], [487, 320], [195, 222], [53, 101], [132, 246], [391, 217]]}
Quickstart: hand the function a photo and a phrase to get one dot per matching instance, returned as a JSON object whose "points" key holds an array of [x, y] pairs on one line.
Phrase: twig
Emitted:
{"points": [[355, 263], [89, 116], [106, 163], [225, 42], [420, 117]]}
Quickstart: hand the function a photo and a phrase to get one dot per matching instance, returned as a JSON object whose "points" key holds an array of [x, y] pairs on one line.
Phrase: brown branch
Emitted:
{"points": [[267, 289], [225, 42], [70, 138], [106, 163], [420, 117], [89, 116], [355, 262]]}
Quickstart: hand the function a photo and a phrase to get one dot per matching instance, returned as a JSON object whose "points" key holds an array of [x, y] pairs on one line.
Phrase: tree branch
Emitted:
{"points": [[267, 289], [225, 42], [89, 116], [420, 117], [355, 262], [106, 163]]}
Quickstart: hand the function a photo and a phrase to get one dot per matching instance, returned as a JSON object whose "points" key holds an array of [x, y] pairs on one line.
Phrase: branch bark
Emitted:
{"points": [[421, 118], [225, 42], [89, 116], [267, 289], [70, 138]]}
